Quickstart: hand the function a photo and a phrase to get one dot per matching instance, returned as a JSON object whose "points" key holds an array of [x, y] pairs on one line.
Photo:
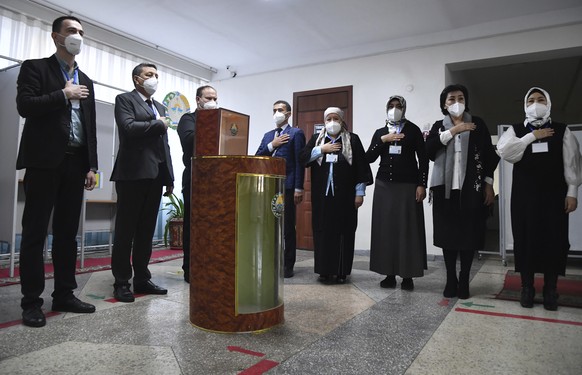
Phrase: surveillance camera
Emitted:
{"points": [[233, 74]]}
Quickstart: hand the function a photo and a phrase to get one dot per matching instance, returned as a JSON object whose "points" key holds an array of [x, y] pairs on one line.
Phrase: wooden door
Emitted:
{"points": [[309, 107]]}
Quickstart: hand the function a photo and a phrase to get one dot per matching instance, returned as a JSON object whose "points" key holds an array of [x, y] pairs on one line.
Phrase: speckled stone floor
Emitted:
{"points": [[355, 328]]}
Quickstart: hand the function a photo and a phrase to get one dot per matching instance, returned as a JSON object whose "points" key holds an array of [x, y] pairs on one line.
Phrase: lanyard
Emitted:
{"points": [[75, 75]]}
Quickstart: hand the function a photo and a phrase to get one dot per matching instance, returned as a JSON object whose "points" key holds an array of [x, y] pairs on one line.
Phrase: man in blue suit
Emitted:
{"points": [[287, 142]]}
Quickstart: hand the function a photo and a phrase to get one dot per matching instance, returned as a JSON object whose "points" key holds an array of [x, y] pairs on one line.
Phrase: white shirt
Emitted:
{"points": [[445, 138], [511, 148]]}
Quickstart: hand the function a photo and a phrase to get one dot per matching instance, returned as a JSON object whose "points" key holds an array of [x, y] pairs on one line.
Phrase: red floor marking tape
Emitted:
{"points": [[19, 321], [444, 302], [113, 300], [525, 317], [259, 368], [245, 351]]}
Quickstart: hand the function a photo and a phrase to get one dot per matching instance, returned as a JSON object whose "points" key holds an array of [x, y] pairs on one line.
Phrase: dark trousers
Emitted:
{"points": [[550, 279], [290, 234], [138, 203], [60, 189], [186, 192]]}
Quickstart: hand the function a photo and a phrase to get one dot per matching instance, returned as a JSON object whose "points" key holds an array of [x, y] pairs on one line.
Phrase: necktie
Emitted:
{"points": [[277, 133], [151, 105]]}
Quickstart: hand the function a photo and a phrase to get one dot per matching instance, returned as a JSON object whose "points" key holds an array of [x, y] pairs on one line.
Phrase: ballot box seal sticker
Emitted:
{"points": [[278, 205]]}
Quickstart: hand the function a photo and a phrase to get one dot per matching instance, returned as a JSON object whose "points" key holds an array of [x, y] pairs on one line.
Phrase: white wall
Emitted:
{"points": [[374, 79]]}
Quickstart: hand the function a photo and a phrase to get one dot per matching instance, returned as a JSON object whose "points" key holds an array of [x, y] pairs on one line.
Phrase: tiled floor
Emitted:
{"points": [[356, 328]]}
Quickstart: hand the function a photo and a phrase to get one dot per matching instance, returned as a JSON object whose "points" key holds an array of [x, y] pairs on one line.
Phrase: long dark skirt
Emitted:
{"points": [[457, 227], [540, 230], [334, 236], [398, 244]]}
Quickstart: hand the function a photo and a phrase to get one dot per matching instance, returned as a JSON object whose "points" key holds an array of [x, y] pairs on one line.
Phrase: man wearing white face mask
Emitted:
{"points": [[339, 175], [287, 142], [58, 149], [206, 98], [142, 167], [547, 170]]}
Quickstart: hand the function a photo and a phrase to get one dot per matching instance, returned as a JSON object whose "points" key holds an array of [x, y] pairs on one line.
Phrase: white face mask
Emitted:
{"points": [[73, 43], [150, 85], [456, 109], [211, 104], [536, 110], [394, 114], [279, 118], [333, 128]]}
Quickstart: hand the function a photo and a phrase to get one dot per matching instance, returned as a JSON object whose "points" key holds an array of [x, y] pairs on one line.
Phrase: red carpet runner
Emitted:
{"points": [[569, 289], [91, 265]]}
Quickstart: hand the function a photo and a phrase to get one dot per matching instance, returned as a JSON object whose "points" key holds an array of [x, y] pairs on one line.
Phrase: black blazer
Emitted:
{"points": [[143, 141], [40, 100]]}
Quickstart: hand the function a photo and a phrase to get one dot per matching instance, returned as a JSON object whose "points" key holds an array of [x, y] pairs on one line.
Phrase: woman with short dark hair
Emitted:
{"points": [[461, 185]]}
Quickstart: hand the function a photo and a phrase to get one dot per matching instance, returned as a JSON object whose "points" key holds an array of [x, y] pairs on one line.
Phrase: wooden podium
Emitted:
{"points": [[221, 132], [236, 246]]}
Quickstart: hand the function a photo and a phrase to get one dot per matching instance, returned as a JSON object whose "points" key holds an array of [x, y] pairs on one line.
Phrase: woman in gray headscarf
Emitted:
{"points": [[461, 185], [339, 175], [546, 170], [398, 241]]}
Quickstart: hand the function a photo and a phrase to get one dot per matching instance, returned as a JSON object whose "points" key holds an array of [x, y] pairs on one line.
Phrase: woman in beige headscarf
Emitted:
{"points": [[398, 241], [339, 175]]}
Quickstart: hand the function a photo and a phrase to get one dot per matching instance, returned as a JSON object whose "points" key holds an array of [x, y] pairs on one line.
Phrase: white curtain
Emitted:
{"points": [[23, 38]]}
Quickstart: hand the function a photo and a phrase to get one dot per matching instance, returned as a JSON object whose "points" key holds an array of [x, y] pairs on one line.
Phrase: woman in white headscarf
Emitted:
{"points": [[339, 175], [461, 185], [546, 175], [398, 241]]}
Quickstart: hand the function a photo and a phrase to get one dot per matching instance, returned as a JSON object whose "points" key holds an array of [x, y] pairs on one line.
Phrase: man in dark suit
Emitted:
{"points": [[206, 98], [58, 148], [143, 166], [286, 142]]}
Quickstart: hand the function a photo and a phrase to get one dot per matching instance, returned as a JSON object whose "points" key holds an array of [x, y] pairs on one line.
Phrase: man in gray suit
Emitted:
{"points": [[143, 166]]}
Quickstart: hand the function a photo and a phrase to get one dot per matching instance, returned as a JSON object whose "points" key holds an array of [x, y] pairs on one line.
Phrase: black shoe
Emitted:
{"points": [[73, 305], [341, 279], [122, 293], [388, 282], [463, 291], [527, 297], [407, 284], [148, 288], [288, 273], [33, 317], [187, 277], [451, 288], [323, 278], [550, 299]]}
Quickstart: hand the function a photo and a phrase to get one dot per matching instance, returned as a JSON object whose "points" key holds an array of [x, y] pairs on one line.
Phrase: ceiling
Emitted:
{"points": [[255, 36]]}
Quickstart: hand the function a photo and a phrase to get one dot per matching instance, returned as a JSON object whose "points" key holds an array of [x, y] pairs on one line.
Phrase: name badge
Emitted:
{"points": [[331, 158], [75, 103], [395, 150], [539, 147]]}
